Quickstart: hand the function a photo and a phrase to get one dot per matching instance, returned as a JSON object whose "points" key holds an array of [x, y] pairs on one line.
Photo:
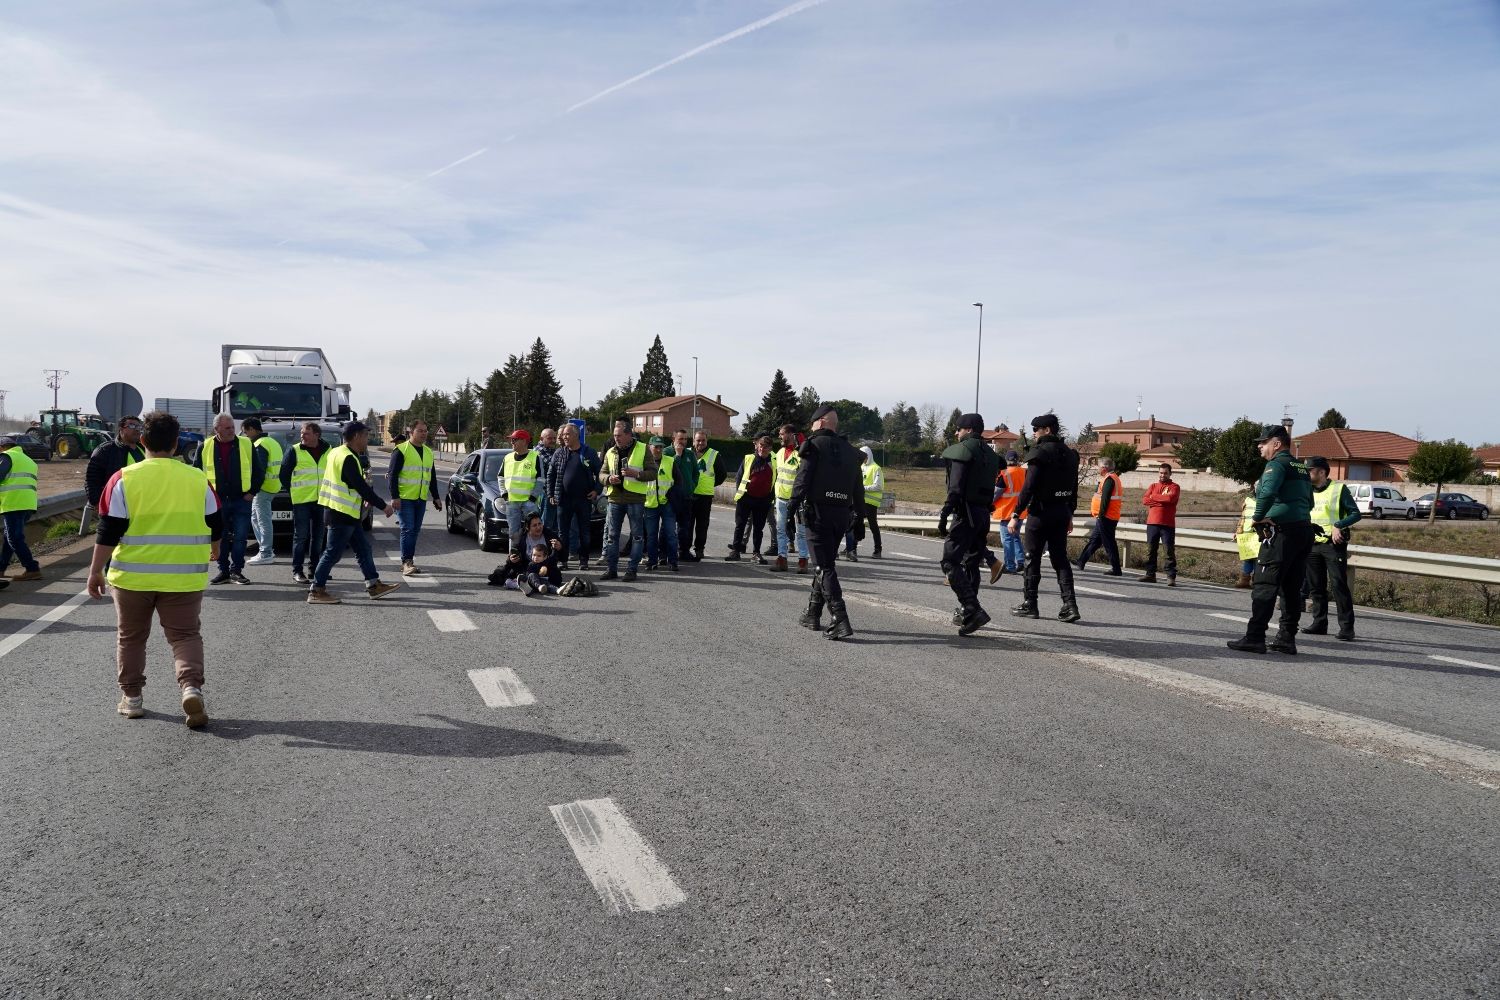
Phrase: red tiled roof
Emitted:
{"points": [[1000, 436], [667, 402], [1488, 456], [1339, 442], [1143, 425]]}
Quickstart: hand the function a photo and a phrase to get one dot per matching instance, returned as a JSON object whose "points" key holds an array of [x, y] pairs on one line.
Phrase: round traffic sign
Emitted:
{"points": [[118, 399]]}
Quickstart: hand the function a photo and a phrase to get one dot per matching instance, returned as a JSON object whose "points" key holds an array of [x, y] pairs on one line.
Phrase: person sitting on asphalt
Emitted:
{"points": [[542, 575]]}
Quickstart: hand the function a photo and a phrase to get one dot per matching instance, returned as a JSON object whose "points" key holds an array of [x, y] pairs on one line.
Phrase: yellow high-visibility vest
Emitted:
{"points": [[1325, 509], [873, 494], [636, 461], [519, 477], [166, 548], [656, 496], [332, 493], [706, 463], [208, 448], [18, 488], [786, 472], [272, 448], [1246, 539], [415, 481], [306, 474]]}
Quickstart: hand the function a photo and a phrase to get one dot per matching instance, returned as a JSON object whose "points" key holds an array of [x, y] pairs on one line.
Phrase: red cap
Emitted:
{"points": [[522, 434]]}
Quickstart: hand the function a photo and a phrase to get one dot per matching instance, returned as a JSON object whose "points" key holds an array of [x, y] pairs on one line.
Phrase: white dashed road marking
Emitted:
{"points": [[624, 870], [1463, 663], [1100, 593], [501, 688], [448, 620], [17, 639], [419, 581], [908, 555], [1237, 619]]}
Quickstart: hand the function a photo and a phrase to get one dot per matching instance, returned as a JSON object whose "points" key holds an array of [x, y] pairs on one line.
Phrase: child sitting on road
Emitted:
{"points": [[542, 574]]}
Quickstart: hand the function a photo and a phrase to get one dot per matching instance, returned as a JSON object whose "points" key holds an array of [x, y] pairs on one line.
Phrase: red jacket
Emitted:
{"points": [[1161, 503]]}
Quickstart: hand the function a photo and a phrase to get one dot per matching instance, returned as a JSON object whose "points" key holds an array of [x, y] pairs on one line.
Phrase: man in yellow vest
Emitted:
{"points": [[785, 461], [260, 505], [707, 475], [1109, 497], [345, 485], [413, 479], [301, 476], [235, 469], [159, 528], [17, 504], [1333, 510], [874, 479], [1247, 542], [521, 479], [627, 470], [663, 498]]}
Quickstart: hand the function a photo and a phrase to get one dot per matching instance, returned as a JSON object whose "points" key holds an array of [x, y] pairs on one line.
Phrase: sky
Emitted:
{"points": [[1217, 209]]}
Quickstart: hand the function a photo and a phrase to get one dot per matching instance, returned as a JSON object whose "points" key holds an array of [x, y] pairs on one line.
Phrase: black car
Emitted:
{"points": [[35, 448], [1452, 506], [476, 502]]}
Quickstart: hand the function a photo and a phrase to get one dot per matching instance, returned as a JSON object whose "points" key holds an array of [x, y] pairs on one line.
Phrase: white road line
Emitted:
{"points": [[908, 555], [617, 860], [1477, 764], [501, 688], [394, 555], [1463, 663], [1101, 593], [449, 620], [1237, 619], [420, 581], [18, 638]]}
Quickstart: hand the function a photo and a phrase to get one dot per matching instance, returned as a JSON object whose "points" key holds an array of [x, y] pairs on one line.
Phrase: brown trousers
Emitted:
{"points": [[179, 620]]}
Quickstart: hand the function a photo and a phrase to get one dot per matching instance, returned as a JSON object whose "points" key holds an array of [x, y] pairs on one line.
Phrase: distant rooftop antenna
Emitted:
{"points": [[1138, 401]]}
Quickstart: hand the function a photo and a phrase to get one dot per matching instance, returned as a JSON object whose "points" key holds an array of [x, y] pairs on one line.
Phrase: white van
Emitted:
{"points": [[1379, 500]]}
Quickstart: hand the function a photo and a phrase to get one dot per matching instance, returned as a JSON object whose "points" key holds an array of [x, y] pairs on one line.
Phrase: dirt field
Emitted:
{"points": [[57, 476], [925, 487]]}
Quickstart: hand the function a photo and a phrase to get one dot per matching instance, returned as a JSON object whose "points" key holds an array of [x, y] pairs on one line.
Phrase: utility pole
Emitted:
{"points": [[579, 414], [54, 382], [695, 394], [978, 353], [2, 404]]}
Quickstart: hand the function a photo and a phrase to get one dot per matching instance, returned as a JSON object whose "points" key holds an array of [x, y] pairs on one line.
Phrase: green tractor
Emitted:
{"points": [[67, 435]]}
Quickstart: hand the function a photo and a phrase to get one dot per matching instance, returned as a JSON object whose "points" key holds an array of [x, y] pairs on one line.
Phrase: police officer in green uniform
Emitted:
{"points": [[972, 467], [1334, 512], [1282, 518]]}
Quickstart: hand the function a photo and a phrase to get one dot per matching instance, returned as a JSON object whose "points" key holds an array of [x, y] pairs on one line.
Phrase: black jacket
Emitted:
{"points": [[830, 472], [106, 460], [972, 468], [1051, 478]]}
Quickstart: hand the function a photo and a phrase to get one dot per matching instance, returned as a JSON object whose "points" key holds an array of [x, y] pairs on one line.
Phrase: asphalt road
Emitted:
{"points": [[1119, 808]]}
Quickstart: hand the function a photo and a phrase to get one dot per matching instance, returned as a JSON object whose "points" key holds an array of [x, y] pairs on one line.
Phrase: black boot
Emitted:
{"points": [[1026, 609], [1069, 612], [1285, 642], [839, 628], [958, 616], [974, 619], [1247, 645], [813, 617]]}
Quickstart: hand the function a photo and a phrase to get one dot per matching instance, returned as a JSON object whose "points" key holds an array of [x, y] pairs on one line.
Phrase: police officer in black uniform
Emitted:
{"points": [[828, 489], [1050, 497], [1283, 519], [972, 467]]}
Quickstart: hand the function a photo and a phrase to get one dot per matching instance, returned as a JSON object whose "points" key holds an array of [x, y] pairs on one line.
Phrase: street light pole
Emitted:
{"points": [[579, 414], [978, 352], [695, 393]]}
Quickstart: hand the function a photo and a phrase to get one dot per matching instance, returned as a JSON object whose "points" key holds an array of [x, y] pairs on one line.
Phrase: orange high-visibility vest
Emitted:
{"points": [[1010, 481], [1113, 511]]}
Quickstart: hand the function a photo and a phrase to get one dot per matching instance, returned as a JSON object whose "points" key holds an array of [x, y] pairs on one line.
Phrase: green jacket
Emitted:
{"points": [[1284, 494], [688, 463]]}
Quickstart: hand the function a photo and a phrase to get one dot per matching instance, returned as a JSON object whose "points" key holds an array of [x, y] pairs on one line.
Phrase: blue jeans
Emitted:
{"points": [[515, 516], [265, 528], [661, 535], [618, 512], [15, 542], [1014, 549], [573, 526], [307, 534], [412, 512], [783, 543], [236, 532], [344, 533]]}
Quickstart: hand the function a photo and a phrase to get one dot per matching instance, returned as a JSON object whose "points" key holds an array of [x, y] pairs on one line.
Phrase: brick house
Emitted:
{"points": [[665, 415], [1153, 438], [1002, 438], [1359, 456], [1488, 459]]}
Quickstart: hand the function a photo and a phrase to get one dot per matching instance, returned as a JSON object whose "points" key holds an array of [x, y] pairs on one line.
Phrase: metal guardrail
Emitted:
{"points": [[60, 504], [1464, 569]]}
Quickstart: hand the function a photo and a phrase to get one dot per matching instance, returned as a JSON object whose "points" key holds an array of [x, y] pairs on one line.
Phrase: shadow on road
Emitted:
{"points": [[456, 739]]}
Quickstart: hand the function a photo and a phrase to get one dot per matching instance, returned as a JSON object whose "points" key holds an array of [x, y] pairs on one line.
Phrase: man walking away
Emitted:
{"points": [[111, 457], [260, 505], [785, 461], [663, 497], [627, 470], [1282, 518], [302, 477], [1049, 497], [520, 477], [752, 500], [412, 478], [1334, 512], [572, 486], [972, 467], [1161, 523], [235, 469], [828, 489], [159, 524], [17, 504], [709, 474], [1007, 492], [345, 483], [874, 480], [1105, 508]]}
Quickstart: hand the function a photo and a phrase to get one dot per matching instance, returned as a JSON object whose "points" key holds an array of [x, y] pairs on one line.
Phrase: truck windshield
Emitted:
{"points": [[275, 399]]}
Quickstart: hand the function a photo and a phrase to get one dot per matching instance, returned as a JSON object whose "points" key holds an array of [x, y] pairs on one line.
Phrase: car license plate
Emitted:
{"points": [[281, 515]]}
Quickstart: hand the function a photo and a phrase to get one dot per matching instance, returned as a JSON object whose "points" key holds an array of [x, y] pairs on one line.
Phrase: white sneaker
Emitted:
{"points": [[260, 560], [193, 708], [131, 708]]}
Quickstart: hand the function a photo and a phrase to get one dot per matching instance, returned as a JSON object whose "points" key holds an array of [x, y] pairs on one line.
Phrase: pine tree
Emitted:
{"points": [[902, 425], [950, 432], [1332, 418], [656, 374], [807, 404], [541, 393], [780, 405]]}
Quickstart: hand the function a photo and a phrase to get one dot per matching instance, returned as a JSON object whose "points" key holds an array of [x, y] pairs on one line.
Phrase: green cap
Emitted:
{"points": [[657, 441]]}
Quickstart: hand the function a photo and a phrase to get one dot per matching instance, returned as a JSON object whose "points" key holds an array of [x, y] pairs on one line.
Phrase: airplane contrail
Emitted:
{"points": [[461, 159], [784, 12]]}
